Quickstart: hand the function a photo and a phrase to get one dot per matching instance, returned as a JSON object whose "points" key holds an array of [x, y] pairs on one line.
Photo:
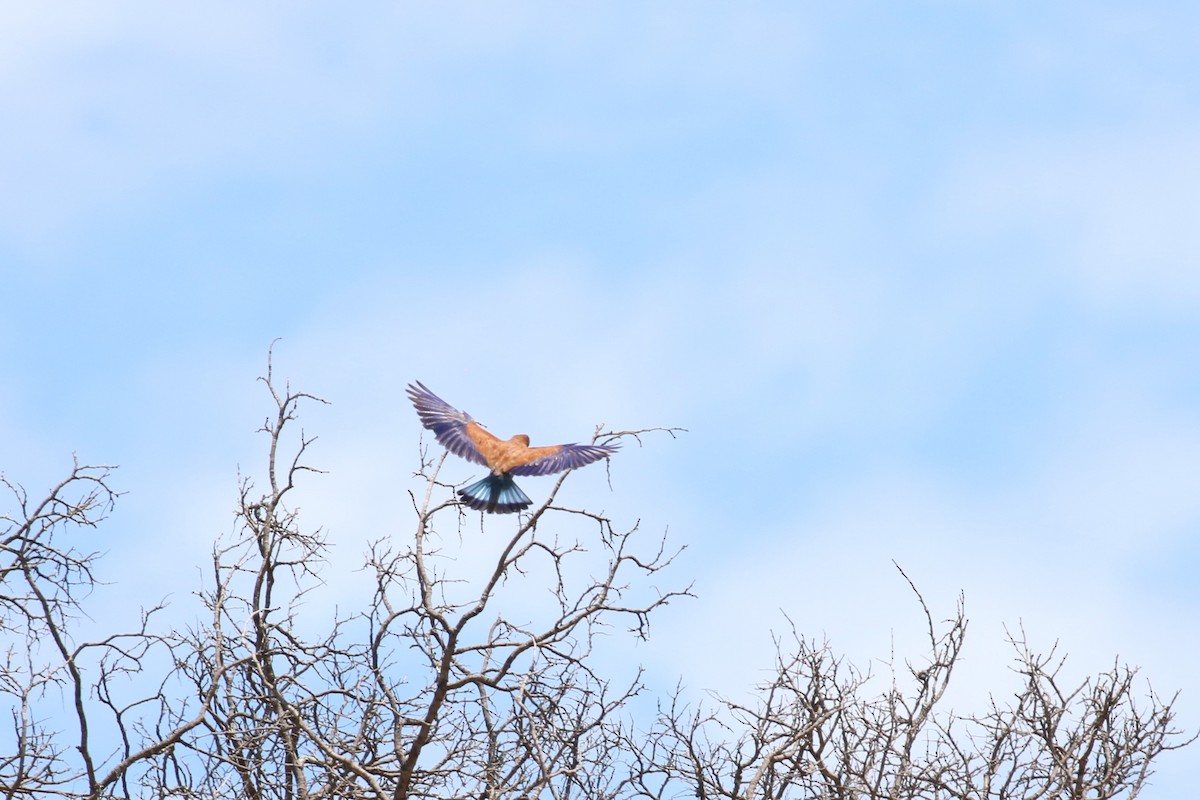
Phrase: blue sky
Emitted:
{"points": [[920, 280]]}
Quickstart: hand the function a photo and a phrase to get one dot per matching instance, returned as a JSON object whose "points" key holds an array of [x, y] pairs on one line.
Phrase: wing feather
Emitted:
{"points": [[449, 425], [548, 460]]}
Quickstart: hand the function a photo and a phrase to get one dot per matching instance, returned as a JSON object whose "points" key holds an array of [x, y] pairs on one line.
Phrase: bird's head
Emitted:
{"points": [[521, 439]]}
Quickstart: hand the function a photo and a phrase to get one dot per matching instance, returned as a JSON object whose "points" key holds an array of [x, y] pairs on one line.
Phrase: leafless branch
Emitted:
{"points": [[468, 667]]}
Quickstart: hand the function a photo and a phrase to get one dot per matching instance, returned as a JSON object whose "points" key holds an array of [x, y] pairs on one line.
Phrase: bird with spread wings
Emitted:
{"points": [[498, 493]]}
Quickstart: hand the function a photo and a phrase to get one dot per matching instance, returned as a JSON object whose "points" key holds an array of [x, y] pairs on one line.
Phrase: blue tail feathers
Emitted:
{"points": [[496, 494]]}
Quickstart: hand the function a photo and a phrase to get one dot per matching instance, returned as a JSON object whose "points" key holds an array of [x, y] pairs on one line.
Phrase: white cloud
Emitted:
{"points": [[123, 106], [1108, 212], [1065, 548], [1008, 412]]}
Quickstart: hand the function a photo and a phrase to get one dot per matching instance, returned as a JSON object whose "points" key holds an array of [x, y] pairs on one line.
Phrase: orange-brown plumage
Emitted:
{"points": [[502, 456], [465, 437]]}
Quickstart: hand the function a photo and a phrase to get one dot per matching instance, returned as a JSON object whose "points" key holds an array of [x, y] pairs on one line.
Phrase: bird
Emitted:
{"points": [[497, 493]]}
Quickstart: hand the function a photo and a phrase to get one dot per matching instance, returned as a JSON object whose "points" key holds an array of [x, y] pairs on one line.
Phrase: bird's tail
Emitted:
{"points": [[496, 494]]}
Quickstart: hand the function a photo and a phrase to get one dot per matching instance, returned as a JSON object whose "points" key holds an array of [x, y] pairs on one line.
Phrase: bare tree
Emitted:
{"points": [[433, 688], [469, 668], [817, 730], [44, 582]]}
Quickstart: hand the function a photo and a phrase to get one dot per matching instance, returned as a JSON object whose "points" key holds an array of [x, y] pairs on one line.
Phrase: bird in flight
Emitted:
{"points": [[498, 493]]}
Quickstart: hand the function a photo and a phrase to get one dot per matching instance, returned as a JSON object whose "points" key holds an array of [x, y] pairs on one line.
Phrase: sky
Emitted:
{"points": [[919, 280]]}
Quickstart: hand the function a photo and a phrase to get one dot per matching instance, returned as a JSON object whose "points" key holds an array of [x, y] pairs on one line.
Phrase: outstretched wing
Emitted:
{"points": [[548, 460], [449, 425]]}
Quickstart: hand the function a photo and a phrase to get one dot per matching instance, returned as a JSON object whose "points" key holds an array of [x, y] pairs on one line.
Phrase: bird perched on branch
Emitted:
{"points": [[498, 493]]}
